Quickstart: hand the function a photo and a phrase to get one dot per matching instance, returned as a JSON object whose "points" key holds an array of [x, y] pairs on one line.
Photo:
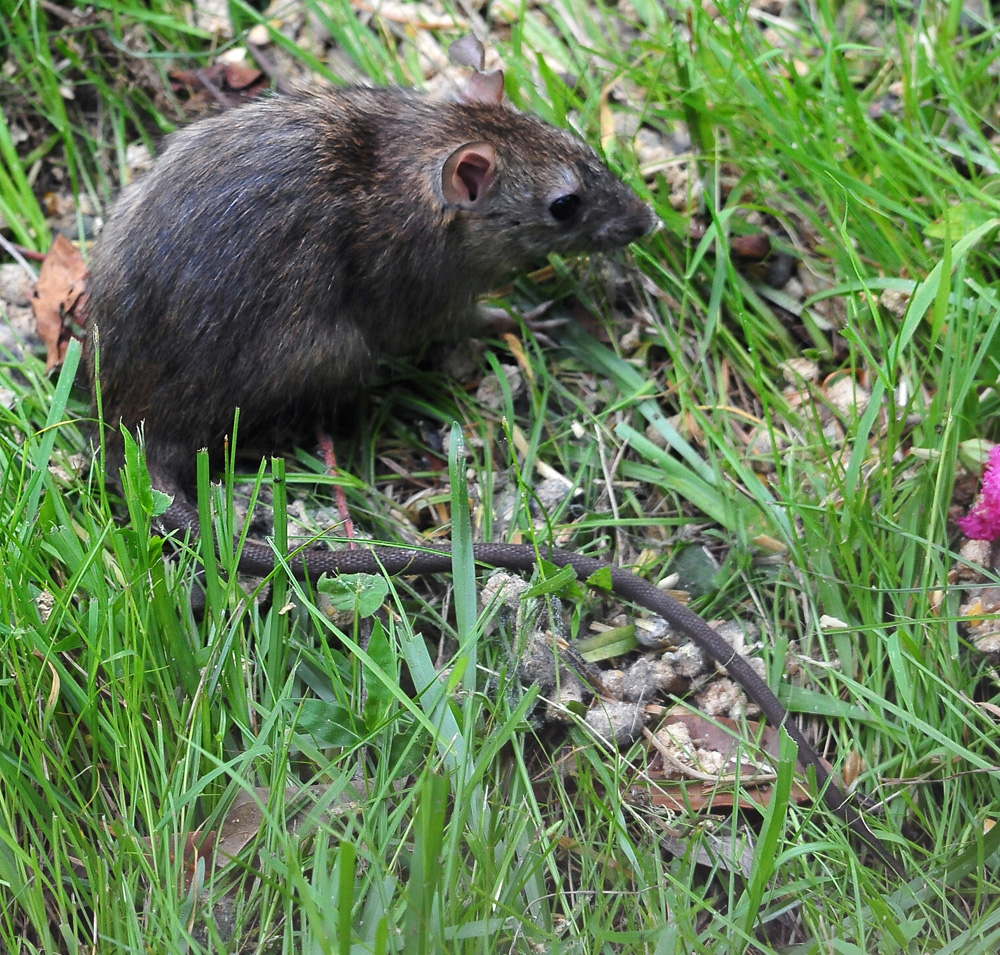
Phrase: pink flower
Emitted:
{"points": [[983, 521]]}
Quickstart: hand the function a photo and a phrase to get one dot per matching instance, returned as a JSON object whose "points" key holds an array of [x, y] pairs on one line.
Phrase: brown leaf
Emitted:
{"points": [[229, 83], [752, 248], [59, 298], [243, 821], [304, 809], [712, 735]]}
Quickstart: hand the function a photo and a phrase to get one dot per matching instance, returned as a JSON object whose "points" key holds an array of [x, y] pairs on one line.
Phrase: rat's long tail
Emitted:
{"points": [[258, 559]]}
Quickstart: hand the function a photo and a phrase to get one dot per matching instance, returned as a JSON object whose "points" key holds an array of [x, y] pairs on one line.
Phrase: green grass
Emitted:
{"points": [[437, 818]]}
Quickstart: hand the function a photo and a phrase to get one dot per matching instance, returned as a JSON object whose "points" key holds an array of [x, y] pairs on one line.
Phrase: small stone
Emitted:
{"points": [[648, 677], [619, 723], [689, 661]]}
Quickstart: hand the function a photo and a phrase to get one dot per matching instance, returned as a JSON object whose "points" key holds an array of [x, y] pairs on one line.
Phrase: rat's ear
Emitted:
{"points": [[468, 174], [484, 88], [468, 51]]}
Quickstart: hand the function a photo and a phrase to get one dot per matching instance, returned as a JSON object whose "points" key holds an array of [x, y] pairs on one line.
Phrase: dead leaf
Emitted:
{"points": [[734, 855], [59, 298], [752, 248], [204, 852], [228, 84], [701, 794]]}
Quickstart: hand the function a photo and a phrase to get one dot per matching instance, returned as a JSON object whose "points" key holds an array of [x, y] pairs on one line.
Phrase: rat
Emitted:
{"points": [[274, 253]]}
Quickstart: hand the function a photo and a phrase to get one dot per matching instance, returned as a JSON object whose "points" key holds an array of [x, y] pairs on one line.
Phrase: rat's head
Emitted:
{"points": [[531, 189], [516, 188]]}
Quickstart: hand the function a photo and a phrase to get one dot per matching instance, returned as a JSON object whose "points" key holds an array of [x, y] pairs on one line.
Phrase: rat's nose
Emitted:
{"points": [[626, 228]]}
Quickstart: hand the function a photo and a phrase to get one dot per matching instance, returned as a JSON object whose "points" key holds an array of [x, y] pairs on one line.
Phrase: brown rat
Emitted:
{"points": [[276, 252]]}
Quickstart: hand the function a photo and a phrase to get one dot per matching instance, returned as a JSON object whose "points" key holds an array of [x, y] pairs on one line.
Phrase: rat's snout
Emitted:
{"points": [[627, 227]]}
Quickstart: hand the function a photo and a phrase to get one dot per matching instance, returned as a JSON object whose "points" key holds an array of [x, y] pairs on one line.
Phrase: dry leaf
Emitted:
{"points": [[712, 735], [59, 295], [231, 81]]}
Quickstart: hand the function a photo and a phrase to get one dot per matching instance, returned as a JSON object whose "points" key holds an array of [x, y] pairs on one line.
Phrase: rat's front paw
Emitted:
{"points": [[493, 320]]}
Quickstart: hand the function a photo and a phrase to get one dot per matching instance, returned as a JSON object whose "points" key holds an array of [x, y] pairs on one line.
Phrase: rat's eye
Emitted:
{"points": [[564, 208]]}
